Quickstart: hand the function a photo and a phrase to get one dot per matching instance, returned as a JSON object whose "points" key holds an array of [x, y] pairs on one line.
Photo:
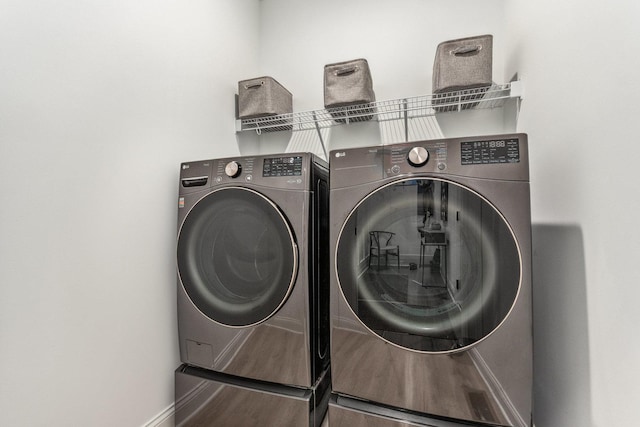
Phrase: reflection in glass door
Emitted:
{"points": [[445, 274], [237, 257]]}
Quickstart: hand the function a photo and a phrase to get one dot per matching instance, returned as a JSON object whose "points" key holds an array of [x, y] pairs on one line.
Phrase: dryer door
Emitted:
{"points": [[237, 256], [428, 265]]}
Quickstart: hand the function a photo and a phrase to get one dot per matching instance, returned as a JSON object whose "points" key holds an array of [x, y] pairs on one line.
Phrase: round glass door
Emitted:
{"points": [[428, 265], [237, 257]]}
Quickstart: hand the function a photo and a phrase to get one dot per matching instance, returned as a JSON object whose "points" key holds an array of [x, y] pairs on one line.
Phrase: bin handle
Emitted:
{"points": [[466, 50], [346, 71], [254, 85]]}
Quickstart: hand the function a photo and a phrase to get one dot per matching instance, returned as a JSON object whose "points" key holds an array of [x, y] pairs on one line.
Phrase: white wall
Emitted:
{"points": [[579, 62], [398, 39], [99, 103]]}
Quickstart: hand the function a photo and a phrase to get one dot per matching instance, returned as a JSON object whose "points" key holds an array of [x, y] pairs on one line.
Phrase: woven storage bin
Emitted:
{"points": [[463, 65], [261, 97], [348, 86]]}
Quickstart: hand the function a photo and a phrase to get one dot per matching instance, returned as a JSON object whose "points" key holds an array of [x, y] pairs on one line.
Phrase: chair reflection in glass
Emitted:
{"points": [[380, 246]]}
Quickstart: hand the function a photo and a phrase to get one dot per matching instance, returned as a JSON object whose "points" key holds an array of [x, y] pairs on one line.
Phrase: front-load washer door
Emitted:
{"points": [[428, 265], [237, 256]]}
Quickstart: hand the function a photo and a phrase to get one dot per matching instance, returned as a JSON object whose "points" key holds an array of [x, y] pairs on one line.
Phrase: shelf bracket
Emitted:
{"points": [[406, 119], [517, 89], [324, 147]]}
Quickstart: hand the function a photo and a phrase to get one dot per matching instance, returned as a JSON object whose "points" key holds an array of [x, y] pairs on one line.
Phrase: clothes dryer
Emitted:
{"points": [[252, 258], [445, 331]]}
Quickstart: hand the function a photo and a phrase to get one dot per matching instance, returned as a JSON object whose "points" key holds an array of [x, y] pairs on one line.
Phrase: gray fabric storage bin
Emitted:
{"points": [[263, 96], [348, 84], [461, 65]]}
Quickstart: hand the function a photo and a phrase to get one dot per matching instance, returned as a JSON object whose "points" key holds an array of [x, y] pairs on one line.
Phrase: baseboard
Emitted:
{"points": [[165, 418], [508, 410]]}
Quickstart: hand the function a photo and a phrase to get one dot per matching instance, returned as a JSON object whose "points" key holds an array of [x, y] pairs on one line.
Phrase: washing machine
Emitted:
{"points": [[439, 324], [252, 261]]}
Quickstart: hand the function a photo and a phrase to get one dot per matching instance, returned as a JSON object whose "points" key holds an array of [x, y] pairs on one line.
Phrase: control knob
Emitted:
{"points": [[418, 156], [232, 169]]}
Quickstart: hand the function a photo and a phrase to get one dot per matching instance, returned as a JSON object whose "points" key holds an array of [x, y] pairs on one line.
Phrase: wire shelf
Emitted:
{"points": [[406, 108]]}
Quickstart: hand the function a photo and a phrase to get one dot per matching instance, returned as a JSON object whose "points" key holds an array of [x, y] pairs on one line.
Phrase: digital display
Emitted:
{"points": [[492, 151], [282, 166]]}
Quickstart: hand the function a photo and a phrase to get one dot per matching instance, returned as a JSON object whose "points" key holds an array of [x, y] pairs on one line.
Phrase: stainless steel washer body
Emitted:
{"points": [[445, 332], [252, 258]]}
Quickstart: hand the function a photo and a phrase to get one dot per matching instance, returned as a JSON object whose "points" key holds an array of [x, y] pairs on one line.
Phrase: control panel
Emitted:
{"points": [[282, 166], [281, 171], [503, 157], [410, 158], [493, 151]]}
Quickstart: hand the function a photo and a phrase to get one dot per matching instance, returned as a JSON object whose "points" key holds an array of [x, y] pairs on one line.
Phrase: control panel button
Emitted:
{"points": [[233, 169], [282, 166], [395, 169], [418, 156]]}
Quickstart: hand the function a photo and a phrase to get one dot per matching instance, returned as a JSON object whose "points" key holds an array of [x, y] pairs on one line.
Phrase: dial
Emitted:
{"points": [[418, 156], [233, 169]]}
